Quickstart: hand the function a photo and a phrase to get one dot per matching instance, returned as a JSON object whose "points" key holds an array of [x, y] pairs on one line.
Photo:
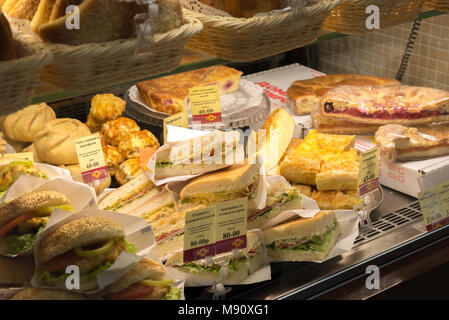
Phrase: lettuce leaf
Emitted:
{"points": [[194, 268], [17, 244], [173, 294], [129, 246]]}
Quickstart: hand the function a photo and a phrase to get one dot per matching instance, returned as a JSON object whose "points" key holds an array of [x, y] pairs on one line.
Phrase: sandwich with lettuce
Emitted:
{"points": [[92, 244], [304, 239], [24, 217]]}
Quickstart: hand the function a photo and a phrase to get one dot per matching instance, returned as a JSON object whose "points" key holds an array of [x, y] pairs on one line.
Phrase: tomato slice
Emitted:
{"points": [[61, 262], [134, 291], [13, 223]]}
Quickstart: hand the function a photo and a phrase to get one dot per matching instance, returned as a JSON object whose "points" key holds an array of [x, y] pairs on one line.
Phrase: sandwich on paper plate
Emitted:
{"points": [[238, 269], [91, 243], [23, 218], [303, 239], [210, 152]]}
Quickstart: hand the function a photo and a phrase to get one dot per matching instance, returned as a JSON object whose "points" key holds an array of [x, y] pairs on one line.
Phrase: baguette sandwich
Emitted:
{"points": [[304, 239], [238, 269], [280, 197], [210, 152]]}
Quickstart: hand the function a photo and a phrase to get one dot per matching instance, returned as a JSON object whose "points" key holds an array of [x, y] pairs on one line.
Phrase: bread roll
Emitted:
{"points": [[24, 124], [32, 149], [75, 171], [55, 143]]}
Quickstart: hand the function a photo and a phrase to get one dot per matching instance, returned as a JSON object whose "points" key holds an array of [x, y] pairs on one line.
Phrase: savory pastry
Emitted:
{"points": [[24, 9], [145, 281], [328, 161], [94, 126], [113, 158], [113, 130], [47, 294], [105, 107], [327, 124], [336, 200], [339, 172], [55, 143], [130, 145], [274, 137], [304, 239], [8, 52], [25, 216], [127, 170], [305, 95], [24, 124], [170, 94], [386, 105], [400, 143], [103, 21], [303, 189]]}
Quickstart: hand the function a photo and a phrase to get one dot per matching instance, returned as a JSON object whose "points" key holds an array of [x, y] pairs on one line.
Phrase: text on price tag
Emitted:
{"points": [[368, 172], [434, 204], [180, 119], [205, 104], [91, 158], [231, 225], [199, 234]]}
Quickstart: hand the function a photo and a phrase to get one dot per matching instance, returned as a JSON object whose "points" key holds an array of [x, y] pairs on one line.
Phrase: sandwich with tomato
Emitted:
{"points": [[145, 281], [24, 217], [92, 244]]}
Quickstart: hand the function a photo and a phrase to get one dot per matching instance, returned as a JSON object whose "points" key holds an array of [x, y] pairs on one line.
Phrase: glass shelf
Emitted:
{"points": [[190, 61]]}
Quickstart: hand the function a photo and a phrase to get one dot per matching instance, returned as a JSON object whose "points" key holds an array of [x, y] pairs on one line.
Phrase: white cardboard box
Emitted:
{"points": [[403, 176]]}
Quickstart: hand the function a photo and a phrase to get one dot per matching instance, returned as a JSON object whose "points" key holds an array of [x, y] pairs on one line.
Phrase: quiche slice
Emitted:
{"points": [[339, 172]]}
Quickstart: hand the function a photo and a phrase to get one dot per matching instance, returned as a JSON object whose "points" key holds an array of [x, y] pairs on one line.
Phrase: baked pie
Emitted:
{"points": [[387, 104]]}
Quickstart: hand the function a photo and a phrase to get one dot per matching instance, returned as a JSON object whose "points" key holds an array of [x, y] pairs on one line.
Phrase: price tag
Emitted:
{"points": [[180, 119], [19, 156], [368, 172], [231, 225], [205, 104], [199, 234], [434, 204], [91, 158]]}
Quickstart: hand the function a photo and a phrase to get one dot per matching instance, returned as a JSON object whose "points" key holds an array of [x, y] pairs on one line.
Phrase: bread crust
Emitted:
{"points": [[47, 294], [144, 269], [260, 221], [78, 233], [30, 202]]}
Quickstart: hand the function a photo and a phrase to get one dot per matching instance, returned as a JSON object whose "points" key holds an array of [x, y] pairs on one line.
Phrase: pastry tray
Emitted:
{"points": [[247, 118]]}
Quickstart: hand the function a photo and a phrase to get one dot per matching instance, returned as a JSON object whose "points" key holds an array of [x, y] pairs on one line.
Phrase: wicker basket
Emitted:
{"points": [[97, 65], [242, 40], [350, 16], [18, 77], [440, 5]]}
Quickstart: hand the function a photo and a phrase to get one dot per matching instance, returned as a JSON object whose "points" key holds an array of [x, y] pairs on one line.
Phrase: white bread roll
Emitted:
{"points": [[55, 143], [24, 124]]}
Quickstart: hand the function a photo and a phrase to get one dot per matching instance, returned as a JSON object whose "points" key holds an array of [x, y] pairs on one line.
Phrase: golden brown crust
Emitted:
{"points": [[128, 170], [389, 104], [29, 203], [77, 233], [55, 143], [336, 200], [130, 145], [168, 94], [113, 130], [306, 94], [113, 158], [24, 9], [105, 107], [329, 125]]}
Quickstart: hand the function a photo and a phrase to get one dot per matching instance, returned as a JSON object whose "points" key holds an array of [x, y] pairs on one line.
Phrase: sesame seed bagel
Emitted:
{"points": [[29, 203], [80, 232], [144, 269]]}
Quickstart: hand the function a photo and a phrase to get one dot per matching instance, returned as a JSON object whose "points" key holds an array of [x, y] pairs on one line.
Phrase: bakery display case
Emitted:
{"points": [[124, 118]]}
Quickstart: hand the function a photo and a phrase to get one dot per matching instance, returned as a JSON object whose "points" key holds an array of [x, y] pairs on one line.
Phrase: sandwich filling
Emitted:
{"points": [[315, 243], [19, 234], [126, 199], [276, 201], [90, 259], [13, 170], [149, 289], [211, 197], [193, 268]]}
